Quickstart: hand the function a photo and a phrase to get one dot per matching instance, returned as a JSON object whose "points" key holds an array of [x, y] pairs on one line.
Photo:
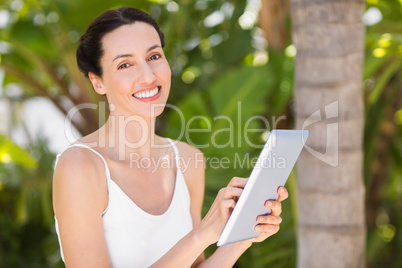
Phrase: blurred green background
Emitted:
{"points": [[219, 57]]}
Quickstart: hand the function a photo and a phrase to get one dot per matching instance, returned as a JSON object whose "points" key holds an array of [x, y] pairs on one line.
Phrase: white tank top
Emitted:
{"points": [[134, 237]]}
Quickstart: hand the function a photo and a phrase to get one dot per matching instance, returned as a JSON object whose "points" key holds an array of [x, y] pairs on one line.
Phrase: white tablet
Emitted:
{"points": [[271, 170]]}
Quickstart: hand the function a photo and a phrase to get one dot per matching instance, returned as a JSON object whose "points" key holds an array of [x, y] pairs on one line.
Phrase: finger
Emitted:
{"points": [[228, 203], [269, 219], [283, 194], [267, 228], [274, 206], [232, 192], [238, 182]]}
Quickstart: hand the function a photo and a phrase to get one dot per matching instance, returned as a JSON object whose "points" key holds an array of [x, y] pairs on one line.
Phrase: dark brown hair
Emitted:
{"points": [[90, 50]]}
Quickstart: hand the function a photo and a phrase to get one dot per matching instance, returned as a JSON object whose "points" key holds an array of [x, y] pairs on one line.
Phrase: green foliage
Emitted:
{"points": [[26, 219], [383, 136], [12, 153]]}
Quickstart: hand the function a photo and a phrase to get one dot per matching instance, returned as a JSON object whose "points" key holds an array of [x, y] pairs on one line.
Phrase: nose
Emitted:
{"points": [[146, 75]]}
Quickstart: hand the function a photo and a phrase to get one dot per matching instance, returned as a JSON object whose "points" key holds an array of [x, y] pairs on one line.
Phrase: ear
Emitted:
{"points": [[97, 83]]}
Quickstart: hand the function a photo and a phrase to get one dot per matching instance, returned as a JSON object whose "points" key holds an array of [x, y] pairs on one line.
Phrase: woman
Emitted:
{"points": [[111, 212]]}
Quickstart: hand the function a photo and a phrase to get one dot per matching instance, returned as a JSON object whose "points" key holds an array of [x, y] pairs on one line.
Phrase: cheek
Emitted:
{"points": [[164, 71], [120, 83], [167, 79]]}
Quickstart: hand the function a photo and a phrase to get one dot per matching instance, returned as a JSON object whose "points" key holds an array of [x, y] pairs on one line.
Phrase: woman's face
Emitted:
{"points": [[136, 75]]}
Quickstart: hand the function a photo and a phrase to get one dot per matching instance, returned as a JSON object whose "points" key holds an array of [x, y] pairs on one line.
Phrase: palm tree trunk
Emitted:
{"points": [[329, 37], [273, 15]]}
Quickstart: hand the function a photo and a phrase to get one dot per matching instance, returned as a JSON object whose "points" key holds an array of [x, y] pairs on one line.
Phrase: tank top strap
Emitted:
{"points": [[176, 153], [89, 148]]}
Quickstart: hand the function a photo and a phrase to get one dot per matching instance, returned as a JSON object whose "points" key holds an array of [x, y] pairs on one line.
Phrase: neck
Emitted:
{"points": [[126, 136]]}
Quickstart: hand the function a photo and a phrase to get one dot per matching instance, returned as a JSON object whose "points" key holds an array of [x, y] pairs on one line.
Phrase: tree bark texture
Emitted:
{"points": [[273, 15], [329, 37]]}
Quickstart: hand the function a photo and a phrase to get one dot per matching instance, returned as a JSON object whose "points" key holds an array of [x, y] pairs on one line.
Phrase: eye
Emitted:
{"points": [[155, 57], [123, 66]]}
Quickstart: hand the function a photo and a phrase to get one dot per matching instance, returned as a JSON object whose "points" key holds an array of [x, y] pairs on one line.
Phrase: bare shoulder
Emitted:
{"points": [[76, 161], [79, 175], [79, 199], [187, 149], [193, 167], [191, 155]]}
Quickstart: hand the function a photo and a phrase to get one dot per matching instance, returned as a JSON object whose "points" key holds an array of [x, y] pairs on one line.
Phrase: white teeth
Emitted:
{"points": [[147, 94]]}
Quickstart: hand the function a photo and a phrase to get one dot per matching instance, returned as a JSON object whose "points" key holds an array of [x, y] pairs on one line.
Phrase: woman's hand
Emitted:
{"points": [[213, 223], [269, 224]]}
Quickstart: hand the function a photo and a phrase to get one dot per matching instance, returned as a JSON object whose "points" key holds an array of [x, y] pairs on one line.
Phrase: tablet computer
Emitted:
{"points": [[271, 171]]}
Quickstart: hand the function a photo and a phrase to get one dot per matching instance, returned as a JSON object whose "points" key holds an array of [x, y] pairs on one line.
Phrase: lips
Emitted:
{"points": [[148, 95]]}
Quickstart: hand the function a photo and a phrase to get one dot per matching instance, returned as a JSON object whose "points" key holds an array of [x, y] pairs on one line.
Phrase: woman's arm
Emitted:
{"points": [[79, 199], [189, 250], [227, 255]]}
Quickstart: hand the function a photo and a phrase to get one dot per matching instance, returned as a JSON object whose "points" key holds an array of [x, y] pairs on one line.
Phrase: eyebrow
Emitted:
{"points": [[130, 55]]}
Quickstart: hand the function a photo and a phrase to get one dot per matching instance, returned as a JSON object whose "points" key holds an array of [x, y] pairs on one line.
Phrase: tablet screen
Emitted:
{"points": [[271, 171]]}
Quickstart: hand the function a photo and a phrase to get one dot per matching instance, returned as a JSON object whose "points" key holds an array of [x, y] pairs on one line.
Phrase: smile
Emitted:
{"points": [[147, 94]]}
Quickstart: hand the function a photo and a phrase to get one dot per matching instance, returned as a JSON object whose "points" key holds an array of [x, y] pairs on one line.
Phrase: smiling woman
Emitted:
{"points": [[131, 73], [110, 212]]}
